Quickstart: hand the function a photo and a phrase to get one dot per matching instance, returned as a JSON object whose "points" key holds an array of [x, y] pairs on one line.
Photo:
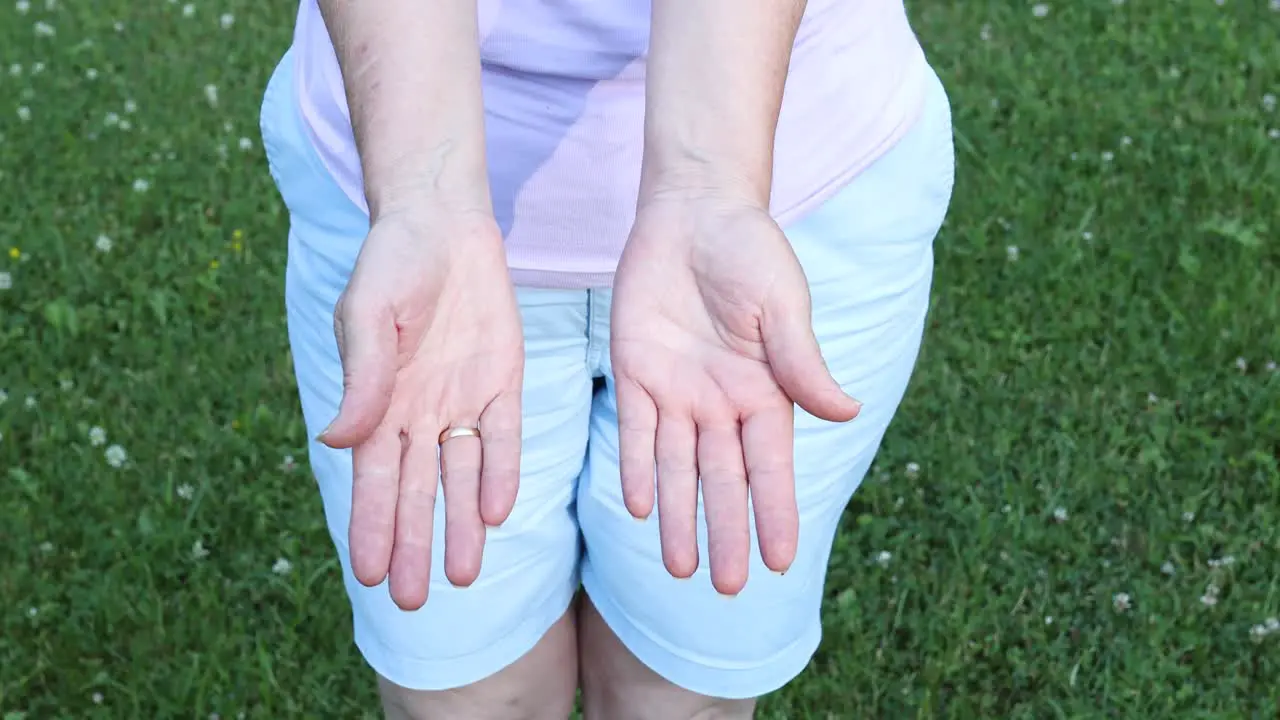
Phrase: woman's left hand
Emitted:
{"points": [[712, 345]]}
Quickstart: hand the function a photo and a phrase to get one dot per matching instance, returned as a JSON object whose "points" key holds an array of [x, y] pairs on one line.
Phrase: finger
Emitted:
{"points": [[637, 423], [375, 479], [796, 360], [676, 450], [500, 458], [724, 501], [463, 529], [768, 447], [367, 339], [410, 579]]}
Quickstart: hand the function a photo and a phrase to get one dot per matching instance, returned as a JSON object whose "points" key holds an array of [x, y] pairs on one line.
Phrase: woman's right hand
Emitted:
{"points": [[430, 338]]}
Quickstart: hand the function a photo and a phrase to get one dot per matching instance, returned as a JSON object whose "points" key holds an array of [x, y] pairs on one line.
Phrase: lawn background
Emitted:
{"points": [[1075, 514]]}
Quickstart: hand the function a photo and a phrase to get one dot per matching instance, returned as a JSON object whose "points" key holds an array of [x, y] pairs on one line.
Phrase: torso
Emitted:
{"points": [[564, 106]]}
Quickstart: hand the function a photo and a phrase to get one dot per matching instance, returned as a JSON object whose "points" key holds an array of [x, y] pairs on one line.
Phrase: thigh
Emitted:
{"points": [[530, 569], [868, 257]]}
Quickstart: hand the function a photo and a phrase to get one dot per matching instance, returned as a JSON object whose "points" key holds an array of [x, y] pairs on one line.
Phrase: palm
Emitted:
{"points": [[694, 334], [429, 340], [710, 329]]}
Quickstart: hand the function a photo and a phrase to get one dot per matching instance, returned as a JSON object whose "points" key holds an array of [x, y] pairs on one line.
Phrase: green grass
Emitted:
{"points": [[1115, 365]]}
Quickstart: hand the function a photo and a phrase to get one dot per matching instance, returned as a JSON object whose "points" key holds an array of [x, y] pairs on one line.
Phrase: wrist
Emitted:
{"points": [[701, 179], [415, 181], [443, 221]]}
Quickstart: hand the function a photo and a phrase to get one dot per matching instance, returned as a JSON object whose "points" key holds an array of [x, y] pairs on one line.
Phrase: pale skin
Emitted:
{"points": [[712, 345]]}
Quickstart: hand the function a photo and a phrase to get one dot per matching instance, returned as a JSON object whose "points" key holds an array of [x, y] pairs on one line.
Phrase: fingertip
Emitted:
{"points": [[639, 502], [498, 494], [729, 585], [639, 513], [463, 554], [779, 541], [367, 574], [495, 512], [409, 600], [370, 557], [849, 408], [461, 574], [680, 566], [339, 435], [778, 561], [835, 407]]}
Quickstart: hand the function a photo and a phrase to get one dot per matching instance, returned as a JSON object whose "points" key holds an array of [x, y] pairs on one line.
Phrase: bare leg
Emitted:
{"points": [[617, 686], [538, 686]]}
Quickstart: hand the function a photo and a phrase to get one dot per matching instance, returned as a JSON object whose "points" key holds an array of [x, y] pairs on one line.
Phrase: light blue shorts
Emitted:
{"points": [[868, 256]]}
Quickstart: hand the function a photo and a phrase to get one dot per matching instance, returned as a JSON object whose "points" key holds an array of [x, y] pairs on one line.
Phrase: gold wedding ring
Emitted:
{"points": [[457, 432]]}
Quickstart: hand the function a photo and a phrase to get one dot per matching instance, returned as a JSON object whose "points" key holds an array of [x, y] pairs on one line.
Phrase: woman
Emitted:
{"points": [[573, 289]]}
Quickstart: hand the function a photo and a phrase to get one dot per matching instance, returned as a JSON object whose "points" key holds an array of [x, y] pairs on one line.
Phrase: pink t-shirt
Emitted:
{"points": [[563, 87]]}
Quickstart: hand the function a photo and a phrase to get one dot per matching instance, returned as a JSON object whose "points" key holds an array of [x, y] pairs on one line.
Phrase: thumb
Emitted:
{"points": [[367, 339], [793, 354]]}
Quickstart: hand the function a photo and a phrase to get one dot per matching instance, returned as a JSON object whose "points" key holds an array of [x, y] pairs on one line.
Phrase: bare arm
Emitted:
{"points": [[715, 78], [412, 75]]}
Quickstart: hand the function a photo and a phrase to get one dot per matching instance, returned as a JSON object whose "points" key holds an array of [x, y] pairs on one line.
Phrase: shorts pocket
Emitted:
{"points": [[270, 116]]}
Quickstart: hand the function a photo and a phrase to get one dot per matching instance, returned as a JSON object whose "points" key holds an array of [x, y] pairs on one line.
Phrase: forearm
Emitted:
{"points": [[716, 73], [412, 74]]}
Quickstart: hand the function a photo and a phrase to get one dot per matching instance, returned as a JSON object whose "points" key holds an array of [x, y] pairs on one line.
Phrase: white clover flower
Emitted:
{"points": [[115, 456]]}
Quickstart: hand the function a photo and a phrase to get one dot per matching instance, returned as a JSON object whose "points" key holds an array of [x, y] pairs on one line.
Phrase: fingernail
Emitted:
{"points": [[324, 433]]}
